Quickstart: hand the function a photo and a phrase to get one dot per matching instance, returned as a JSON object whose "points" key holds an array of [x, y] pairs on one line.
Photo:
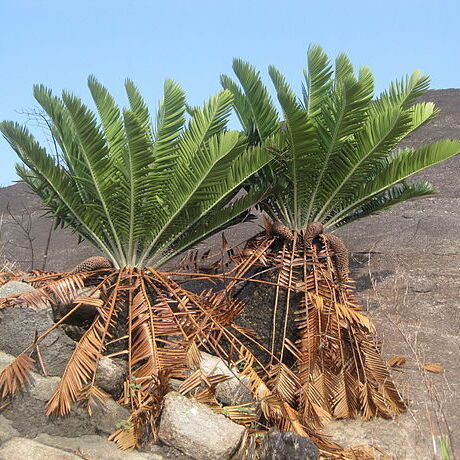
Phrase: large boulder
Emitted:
{"points": [[196, 430], [18, 327], [399, 438]]}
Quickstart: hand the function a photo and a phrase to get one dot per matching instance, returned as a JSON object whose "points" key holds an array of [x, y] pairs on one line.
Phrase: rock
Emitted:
{"points": [[398, 438], [105, 417], [5, 359], [167, 452], [196, 430], [287, 445], [6, 430], [21, 448], [100, 448], [18, 326], [14, 287], [26, 413], [111, 375], [231, 392]]}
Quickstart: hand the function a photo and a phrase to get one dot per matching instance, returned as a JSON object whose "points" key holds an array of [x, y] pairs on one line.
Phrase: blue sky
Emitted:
{"points": [[59, 43]]}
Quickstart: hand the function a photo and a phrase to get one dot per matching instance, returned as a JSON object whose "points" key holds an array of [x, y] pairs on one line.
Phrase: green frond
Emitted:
{"points": [[317, 79], [399, 167], [333, 154], [137, 104], [258, 101], [242, 109], [217, 220], [375, 141], [132, 190], [56, 188], [95, 154], [110, 117], [396, 194], [343, 113], [302, 144]]}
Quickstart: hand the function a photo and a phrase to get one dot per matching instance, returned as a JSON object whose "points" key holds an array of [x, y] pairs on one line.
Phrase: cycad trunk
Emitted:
{"points": [[305, 313]]}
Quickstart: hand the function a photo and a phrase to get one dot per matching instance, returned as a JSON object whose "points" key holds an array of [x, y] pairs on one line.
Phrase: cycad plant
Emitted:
{"points": [[141, 194], [335, 159]]}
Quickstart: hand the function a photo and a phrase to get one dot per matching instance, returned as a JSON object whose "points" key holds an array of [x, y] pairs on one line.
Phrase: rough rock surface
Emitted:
{"points": [[395, 437], [18, 326], [110, 375], [21, 448], [288, 445], [196, 430], [99, 448], [26, 413], [6, 429], [14, 287], [231, 392]]}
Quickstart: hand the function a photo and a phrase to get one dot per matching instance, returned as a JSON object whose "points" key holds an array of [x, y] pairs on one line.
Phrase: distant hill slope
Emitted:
{"points": [[64, 251]]}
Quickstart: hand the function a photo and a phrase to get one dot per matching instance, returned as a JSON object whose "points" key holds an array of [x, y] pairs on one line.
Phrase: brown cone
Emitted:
{"points": [[311, 231], [92, 263], [340, 256], [280, 229]]}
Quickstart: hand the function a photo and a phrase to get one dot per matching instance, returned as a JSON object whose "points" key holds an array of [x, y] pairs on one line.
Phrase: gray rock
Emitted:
{"points": [[20, 448], [397, 438], [231, 392], [26, 413], [166, 452], [14, 287], [18, 326], [97, 447], [287, 446], [6, 430], [5, 359], [105, 417], [110, 375], [196, 430]]}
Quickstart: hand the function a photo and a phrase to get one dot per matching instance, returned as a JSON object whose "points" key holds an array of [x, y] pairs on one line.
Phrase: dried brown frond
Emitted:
{"points": [[91, 397], [339, 371], [396, 361], [435, 368], [244, 414], [81, 367], [16, 375], [125, 437], [284, 382], [62, 290]]}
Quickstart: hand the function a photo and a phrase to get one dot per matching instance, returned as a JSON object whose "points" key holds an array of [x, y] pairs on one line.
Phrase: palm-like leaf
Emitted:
{"points": [[339, 145], [134, 189]]}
